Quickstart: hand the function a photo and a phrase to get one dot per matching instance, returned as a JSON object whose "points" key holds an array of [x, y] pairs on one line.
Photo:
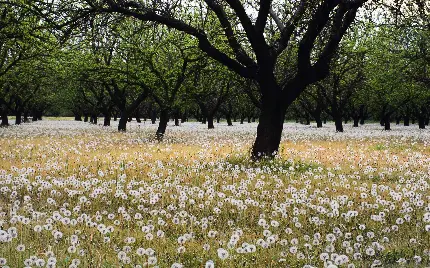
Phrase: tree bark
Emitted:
{"points": [[86, 118], [406, 120], [106, 121], [421, 122], [356, 121], [210, 122], [218, 119], [4, 119], [397, 120], [387, 123], [338, 123], [162, 125], [122, 124], [319, 122], [269, 130], [228, 117], [18, 117], [153, 116]]}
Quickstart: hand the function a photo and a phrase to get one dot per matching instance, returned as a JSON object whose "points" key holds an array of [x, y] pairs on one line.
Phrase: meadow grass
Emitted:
{"points": [[91, 197]]}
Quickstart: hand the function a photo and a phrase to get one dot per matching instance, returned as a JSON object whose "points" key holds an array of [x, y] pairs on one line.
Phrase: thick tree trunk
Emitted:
{"points": [[218, 119], [18, 117], [153, 116], [85, 118], [242, 119], [387, 123], [210, 122], [356, 121], [397, 120], [249, 119], [319, 122], [421, 122], [4, 119], [228, 117], [269, 128], [106, 121], [162, 125], [361, 112], [122, 124], [95, 119], [34, 118], [115, 117], [177, 121], [338, 124], [406, 120], [78, 117]]}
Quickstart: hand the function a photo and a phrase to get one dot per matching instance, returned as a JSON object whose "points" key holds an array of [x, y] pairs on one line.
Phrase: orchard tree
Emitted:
{"points": [[255, 36]]}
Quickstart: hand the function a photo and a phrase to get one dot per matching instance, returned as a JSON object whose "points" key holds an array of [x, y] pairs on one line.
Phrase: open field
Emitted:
{"points": [[78, 195]]}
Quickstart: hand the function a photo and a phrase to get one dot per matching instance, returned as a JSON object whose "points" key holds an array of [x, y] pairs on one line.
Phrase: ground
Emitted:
{"points": [[79, 195]]}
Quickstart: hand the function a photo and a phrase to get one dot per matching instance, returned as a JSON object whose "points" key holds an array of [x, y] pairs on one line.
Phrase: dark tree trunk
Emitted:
{"points": [[153, 116], [176, 121], [382, 122], [269, 130], [387, 123], [4, 119], [308, 121], [94, 119], [78, 117], [242, 119], [253, 119], [204, 120], [122, 124], [34, 118], [18, 117], [249, 119], [398, 120], [210, 122], [325, 120], [218, 119], [356, 121], [346, 120], [115, 117], [228, 117], [130, 119], [234, 119], [413, 120], [162, 125], [184, 117], [137, 114], [319, 122], [26, 117], [361, 112], [85, 118], [106, 121], [338, 123], [406, 120], [421, 122]]}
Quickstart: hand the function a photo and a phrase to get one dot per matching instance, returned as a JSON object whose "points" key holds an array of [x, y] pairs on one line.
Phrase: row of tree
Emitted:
{"points": [[310, 60]]}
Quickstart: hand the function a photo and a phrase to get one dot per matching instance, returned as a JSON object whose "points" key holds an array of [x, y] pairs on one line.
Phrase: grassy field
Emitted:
{"points": [[77, 195]]}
